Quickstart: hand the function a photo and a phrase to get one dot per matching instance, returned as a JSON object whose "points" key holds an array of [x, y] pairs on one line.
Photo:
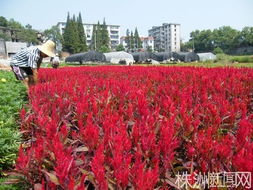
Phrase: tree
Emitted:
{"points": [[93, 45], [131, 42], [149, 49], [98, 36], [217, 50], [29, 35], [105, 40], [82, 37], [66, 36], [120, 47], [226, 38], [4, 36], [54, 34], [246, 36], [3, 21], [14, 24], [70, 36], [127, 40], [104, 49], [137, 40], [75, 35]]}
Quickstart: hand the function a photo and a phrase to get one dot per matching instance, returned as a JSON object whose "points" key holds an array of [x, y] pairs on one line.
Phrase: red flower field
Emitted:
{"points": [[114, 127]]}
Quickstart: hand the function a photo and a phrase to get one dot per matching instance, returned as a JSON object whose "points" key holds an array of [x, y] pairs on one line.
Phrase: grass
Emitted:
{"points": [[13, 95]]}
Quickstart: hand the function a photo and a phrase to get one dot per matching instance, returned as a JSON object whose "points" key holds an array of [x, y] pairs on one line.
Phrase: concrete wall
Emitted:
{"points": [[7, 49], [2, 49], [14, 47]]}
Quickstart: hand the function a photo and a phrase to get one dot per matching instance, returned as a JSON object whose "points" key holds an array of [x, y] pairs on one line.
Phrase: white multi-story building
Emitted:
{"points": [[166, 37], [113, 31], [147, 43]]}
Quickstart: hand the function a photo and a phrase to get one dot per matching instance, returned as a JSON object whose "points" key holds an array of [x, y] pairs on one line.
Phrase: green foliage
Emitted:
{"points": [[3, 21], [11, 101], [20, 184], [127, 40], [224, 37], [217, 50], [24, 34], [120, 47], [14, 24], [29, 35], [104, 49], [5, 36], [137, 40], [82, 46], [149, 49], [242, 59], [105, 40], [100, 38], [74, 39], [54, 34], [133, 41], [247, 36], [70, 36]]}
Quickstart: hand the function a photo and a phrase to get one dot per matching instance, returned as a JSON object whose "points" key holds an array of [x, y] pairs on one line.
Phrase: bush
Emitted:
{"points": [[242, 59], [218, 50]]}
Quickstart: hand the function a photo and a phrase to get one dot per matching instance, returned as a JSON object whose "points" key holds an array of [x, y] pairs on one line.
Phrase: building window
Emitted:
{"points": [[175, 43]]}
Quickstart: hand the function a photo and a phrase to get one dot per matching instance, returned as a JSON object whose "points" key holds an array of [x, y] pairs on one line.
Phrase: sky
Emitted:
{"points": [[143, 14]]}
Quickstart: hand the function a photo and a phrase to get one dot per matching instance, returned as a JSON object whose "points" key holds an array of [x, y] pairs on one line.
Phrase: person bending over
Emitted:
{"points": [[25, 64]]}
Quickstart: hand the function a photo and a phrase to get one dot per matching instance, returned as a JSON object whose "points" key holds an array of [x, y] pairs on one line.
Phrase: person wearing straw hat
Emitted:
{"points": [[25, 64]]}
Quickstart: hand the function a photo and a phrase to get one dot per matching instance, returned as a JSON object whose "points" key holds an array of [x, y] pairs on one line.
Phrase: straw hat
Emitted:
{"points": [[48, 48]]}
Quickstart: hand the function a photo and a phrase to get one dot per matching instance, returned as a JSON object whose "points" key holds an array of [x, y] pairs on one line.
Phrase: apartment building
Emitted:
{"points": [[147, 43], [113, 30], [166, 37]]}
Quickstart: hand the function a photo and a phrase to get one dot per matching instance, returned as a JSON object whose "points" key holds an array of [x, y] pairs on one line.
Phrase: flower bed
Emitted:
{"points": [[135, 127]]}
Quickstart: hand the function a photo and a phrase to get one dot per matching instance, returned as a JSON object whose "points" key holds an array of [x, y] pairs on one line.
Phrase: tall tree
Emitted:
{"points": [[132, 42], [137, 40], [67, 36], [98, 36], [105, 40], [82, 37], [70, 36], [127, 40], [93, 45], [75, 38]]}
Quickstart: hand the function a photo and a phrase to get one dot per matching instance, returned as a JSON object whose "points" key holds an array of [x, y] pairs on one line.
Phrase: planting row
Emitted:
{"points": [[136, 127]]}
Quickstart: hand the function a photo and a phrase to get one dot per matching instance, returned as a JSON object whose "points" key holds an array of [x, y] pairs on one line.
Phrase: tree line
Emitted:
{"points": [[21, 33], [74, 37], [133, 41], [222, 40]]}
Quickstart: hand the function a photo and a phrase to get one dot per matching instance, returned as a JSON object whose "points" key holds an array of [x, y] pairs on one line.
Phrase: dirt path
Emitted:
{"points": [[4, 67]]}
